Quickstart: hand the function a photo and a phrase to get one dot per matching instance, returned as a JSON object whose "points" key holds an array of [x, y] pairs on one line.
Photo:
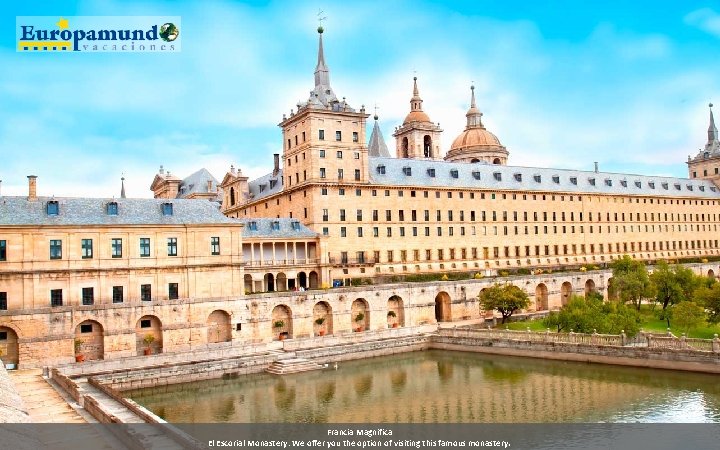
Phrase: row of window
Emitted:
{"points": [[504, 216], [116, 248], [118, 296], [498, 176], [527, 251], [321, 136], [705, 172], [340, 174], [52, 208]]}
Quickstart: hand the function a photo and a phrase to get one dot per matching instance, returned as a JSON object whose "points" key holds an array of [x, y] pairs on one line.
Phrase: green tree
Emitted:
{"points": [[709, 297], [506, 299], [631, 280], [688, 315], [585, 315]]}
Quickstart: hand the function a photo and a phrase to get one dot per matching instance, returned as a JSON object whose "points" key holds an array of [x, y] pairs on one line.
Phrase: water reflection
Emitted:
{"points": [[446, 387]]}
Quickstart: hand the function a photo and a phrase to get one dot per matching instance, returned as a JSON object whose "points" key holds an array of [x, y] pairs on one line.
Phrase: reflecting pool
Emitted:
{"points": [[439, 386]]}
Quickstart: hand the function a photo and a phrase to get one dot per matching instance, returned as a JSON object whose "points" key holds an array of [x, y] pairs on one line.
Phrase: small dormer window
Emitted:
{"points": [[537, 178], [167, 209], [381, 169], [651, 184], [623, 183], [690, 187], [608, 182], [664, 186], [112, 209], [702, 188], [638, 184], [262, 187], [713, 188], [252, 226], [407, 171], [53, 208], [296, 225], [591, 181], [677, 186], [497, 176], [273, 183], [556, 179], [454, 173], [431, 173], [518, 177], [476, 175], [573, 180], [276, 225]]}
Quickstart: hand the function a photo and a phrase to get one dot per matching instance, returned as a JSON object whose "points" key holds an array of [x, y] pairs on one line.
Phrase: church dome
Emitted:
{"points": [[475, 137], [416, 116]]}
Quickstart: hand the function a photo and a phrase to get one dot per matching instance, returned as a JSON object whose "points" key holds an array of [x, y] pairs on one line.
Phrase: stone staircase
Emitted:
{"points": [[292, 365]]}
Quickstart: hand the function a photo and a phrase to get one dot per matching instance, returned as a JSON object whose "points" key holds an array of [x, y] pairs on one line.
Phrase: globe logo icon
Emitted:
{"points": [[169, 32]]}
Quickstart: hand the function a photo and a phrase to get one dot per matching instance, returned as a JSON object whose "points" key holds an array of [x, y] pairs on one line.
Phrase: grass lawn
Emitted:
{"points": [[650, 323]]}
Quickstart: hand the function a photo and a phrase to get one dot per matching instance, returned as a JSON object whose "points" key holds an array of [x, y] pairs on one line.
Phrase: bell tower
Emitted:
{"points": [[418, 137]]}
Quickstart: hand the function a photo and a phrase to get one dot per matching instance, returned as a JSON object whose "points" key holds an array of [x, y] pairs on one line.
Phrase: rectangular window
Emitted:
{"points": [[339, 154], [321, 135], [343, 232], [355, 136], [117, 294], [340, 174], [172, 291], [86, 247], [3, 250], [342, 215], [88, 296], [167, 209], [3, 301], [144, 247], [53, 209], [116, 245], [112, 209], [325, 215], [172, 246], [145, 292], [357, 174], [55, 249], [56, 297], [322, 153], [86, 328], [359, 214], [360, 232], [215, 245], [338, 135], [322, 172]]}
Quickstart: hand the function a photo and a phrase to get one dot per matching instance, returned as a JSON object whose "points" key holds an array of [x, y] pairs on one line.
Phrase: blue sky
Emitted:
{"points": [[561, 84]]}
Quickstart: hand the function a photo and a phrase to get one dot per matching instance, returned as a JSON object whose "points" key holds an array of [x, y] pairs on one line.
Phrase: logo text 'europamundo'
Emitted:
{"points": [[123, 34]]}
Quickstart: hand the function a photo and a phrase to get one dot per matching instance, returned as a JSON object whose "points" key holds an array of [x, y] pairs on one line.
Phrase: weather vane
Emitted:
{"points": [[320, 17]]}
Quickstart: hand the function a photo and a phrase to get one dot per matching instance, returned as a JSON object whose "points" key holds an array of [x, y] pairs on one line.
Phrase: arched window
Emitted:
{"points": [[232, 196], [405, 147], [427, 147]]}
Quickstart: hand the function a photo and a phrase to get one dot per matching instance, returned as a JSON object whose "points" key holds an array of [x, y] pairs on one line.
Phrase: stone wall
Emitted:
{"points": [[12, 408]]}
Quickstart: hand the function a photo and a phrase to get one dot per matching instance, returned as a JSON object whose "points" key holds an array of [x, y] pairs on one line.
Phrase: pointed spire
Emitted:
{"points": [[712, 130], [415, 101], [322, 74], [122, 187], [474, 116], [377, 146]]}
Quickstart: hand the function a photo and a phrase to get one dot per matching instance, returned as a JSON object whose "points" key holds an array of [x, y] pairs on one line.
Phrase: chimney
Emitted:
{"points": [[210, 189], [276, 167], [232, 169], [596, 167], [32, 188], [162, 170]]}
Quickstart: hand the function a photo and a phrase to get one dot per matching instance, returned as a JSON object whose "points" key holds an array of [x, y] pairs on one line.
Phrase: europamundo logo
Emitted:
{"points": [[121, 34]]}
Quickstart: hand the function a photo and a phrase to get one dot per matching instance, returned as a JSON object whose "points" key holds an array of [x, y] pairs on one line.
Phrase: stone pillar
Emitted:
{"points": [[32, 188]]}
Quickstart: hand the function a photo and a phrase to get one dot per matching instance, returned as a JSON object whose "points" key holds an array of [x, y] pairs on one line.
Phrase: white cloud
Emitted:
{"points": [[705, 19]]}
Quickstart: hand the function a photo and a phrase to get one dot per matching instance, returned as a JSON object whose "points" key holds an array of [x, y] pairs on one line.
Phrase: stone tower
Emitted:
{"points": [[706, 164], [418, 137]]}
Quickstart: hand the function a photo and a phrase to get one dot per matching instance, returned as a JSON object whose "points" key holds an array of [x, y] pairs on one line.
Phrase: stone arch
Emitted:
{"points": [[590, 287], [302, 280], [269, 282], [232, 196], [248, 282], [218, 327], [612, 293], [474, 160], [497, 161], [322, 311], [281, 322], [281, 282], [541, 297], [404, 148], [395, 304], [711, 273], [565, 293], [148, 326], [314, 280], [443, 311], [360, 306], [90, 340], [9, 346], [427, 146]]}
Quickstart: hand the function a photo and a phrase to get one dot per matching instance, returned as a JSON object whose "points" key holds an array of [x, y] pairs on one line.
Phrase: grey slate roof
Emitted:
{"points": [[264, 228], [377, 146], [93, 211], [260, 187], [523, 178], [197, 183]]}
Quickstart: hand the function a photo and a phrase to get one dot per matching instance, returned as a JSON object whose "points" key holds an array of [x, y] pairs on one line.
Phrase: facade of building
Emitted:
{"points": [[465, 210]]}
